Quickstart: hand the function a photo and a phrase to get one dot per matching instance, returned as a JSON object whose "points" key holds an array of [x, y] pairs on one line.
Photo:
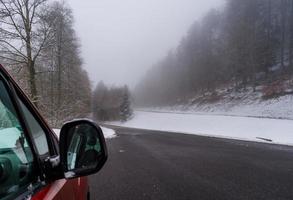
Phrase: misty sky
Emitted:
{"points": [[121, 39]]}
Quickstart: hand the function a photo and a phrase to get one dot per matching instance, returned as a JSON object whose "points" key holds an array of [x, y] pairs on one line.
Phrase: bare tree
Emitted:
{"points": [[66, 87], [23, 35]]}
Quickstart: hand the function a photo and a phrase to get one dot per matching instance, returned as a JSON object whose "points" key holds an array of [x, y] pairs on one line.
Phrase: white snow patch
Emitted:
{"points": [[57, 132], [108, 133], [243, 128]]}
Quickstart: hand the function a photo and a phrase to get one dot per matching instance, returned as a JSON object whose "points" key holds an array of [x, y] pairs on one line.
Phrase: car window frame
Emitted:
{"points": [[36, 116], [50, 135]]}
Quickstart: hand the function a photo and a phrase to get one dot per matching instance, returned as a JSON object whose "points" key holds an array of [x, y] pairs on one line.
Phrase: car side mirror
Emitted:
{"points": [[83, 148]]}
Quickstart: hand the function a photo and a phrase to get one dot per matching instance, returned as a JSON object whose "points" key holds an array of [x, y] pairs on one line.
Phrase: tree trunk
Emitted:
{"points": [[291, 38], [268, 57], [283, 32], [59, 61], [32, 81], [30, 61]]}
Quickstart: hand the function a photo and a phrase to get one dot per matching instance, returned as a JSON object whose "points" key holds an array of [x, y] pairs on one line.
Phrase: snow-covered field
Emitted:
{"points": [[243, 128], [108, 133]]}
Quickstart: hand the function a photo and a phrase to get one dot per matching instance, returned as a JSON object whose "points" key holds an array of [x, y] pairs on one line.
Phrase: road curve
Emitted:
{"points": [[157, 165]]}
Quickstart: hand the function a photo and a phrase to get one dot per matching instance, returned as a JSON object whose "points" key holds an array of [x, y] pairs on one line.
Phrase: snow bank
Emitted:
{"points": [[108, 133], [243, 128]]}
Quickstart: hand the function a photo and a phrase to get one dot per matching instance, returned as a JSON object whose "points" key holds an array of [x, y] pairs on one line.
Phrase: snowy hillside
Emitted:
{"points": [[246, 103]]}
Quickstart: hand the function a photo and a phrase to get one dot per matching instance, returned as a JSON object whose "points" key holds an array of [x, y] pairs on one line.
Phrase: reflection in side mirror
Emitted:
{"points": [[82, 148]]}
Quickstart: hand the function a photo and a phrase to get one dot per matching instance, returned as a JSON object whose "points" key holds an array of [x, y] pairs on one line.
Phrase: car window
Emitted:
{"points": [[38, 134], [17, 171]]}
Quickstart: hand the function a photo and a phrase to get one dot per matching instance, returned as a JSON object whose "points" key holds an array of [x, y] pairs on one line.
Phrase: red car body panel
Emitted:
{"points": [[73, 189]]}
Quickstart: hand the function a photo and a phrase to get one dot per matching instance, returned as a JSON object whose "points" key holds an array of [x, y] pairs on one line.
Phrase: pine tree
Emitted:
{"points": [[125, 107]]}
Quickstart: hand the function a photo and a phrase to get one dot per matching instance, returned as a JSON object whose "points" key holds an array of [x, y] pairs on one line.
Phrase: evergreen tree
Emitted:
{"points": [[125, 107]]}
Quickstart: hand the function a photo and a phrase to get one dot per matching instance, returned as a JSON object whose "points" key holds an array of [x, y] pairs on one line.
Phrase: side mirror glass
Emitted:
{"points": [[82, 148]]}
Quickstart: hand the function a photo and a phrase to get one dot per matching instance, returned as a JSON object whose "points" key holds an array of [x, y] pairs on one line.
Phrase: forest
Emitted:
{"points": [[111, 104], [245, 45], [39, 47]]}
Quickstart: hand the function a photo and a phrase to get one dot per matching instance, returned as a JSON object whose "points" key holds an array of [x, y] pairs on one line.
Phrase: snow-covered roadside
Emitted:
{"points": [[243, 128], [108, 133]]}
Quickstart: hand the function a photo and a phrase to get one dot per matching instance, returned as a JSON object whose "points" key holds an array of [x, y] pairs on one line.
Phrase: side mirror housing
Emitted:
{"points": [[83, 148]]}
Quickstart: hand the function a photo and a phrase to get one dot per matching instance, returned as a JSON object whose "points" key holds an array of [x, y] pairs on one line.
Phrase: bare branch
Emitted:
{"points": [[10, 15], [11, 59], [14, 48]]}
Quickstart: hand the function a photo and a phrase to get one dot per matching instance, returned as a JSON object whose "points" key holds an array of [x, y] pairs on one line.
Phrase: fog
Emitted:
{"points": [[122, 39]]}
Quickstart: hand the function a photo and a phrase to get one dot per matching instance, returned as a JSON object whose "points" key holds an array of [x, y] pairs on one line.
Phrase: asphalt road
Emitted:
{"points": [[146, 165]]}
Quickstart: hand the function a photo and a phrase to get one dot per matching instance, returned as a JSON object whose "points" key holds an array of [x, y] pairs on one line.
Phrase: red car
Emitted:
{"points": [[33, 163]]}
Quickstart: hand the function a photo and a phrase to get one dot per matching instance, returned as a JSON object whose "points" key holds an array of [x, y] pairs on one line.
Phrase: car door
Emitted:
{"points": [[61, 189], [20, 174], [31, 166], [25, 143]]}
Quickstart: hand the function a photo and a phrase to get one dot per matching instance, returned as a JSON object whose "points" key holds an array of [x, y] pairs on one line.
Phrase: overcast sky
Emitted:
{"points": [[121, 39]]}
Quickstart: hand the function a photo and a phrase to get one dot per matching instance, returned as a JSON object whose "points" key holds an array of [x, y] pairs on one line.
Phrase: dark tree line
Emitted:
{"points": [[111, 104], [40, 48], [248, 43]]}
